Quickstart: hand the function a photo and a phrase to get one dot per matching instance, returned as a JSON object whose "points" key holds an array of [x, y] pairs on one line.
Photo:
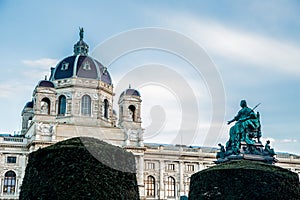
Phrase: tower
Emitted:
{"points": [[130, 116]]}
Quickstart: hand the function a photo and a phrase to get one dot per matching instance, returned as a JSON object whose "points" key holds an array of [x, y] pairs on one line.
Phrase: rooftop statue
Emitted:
{"points": [[244, 138], [81, 31]]}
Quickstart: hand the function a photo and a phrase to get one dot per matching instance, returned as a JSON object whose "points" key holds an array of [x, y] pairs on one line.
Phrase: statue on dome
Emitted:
{"points": [[81, 31]]}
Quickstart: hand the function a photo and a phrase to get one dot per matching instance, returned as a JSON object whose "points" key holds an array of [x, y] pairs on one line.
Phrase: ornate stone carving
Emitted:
{"points": [[45, 129]]}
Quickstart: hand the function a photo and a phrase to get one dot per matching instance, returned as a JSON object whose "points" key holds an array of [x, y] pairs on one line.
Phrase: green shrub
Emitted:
{"points": [[245, 180], [68, 170]]}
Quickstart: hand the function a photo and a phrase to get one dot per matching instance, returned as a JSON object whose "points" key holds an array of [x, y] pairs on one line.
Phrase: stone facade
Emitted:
{"points": [[77, 101]]}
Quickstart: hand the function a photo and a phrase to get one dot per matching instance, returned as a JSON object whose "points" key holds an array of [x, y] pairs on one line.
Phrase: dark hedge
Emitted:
{"points": [[245, 180], [67, 170]]}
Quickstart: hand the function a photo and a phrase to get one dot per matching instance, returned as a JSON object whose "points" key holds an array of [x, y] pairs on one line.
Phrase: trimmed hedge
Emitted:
{"points": [[244, 180], [68, 170]]}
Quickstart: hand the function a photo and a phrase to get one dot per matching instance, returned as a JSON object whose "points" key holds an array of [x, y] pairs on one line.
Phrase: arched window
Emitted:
{"points": [[45, 106], [105, 106], [150, 186], [86, 105], [62, 104], [9, 186], [131, 110], [171, 187], [29, 122]]}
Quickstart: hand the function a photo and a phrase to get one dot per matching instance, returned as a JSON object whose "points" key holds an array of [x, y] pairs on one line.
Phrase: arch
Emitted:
{"points": [[171, 187], [62, 104], [29, 122], [105, 107], [9, 185], [86, 105], [45, 106], [132, 111], [150, 186]]}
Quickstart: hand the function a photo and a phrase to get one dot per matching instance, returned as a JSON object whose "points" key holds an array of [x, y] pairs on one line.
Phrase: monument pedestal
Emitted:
{"points": [[244, 179], [254, 152]]}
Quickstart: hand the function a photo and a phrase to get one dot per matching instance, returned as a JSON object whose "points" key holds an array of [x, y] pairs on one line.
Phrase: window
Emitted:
{"points": [[150, 165], [86, 66], [64, 66], [62, 102], [190, 168], [131, 110], [106, 105], [29, 122], [11, 159], [171, 187], [171, 167], [45, 106], [86, 105], [9, 185], [150, 186]]}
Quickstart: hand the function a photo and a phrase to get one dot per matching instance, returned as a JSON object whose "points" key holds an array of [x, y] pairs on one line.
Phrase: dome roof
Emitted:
{"points": [[81, 66], [45, 83], [29, 104], [131, 92]]}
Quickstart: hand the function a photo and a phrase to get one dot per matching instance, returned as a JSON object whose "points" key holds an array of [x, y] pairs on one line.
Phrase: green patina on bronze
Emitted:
{"points": [[245, 119], [244, 138]]}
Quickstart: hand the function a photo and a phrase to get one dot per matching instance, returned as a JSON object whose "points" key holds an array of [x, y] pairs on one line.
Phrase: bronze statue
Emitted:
{"points": [[221, 154], [81, 31], [244, 139], [246, 119], [268, 149]]}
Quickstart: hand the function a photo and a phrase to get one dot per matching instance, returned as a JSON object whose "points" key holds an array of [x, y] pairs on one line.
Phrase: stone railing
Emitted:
{"points": [[13, 140]]}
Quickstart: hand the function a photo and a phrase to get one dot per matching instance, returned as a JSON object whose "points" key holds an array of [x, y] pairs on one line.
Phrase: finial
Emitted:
{"points": [[81, 48], [81, 31], [129, 86], [45, 77]]}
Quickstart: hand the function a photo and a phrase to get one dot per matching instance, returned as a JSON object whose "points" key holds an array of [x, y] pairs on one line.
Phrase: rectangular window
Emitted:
{"points": [[11, 159], [171, 167], [190, 168], [150, 165]]}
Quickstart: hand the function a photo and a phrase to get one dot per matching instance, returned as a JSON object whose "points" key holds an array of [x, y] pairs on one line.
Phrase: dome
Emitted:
{"points": [[45, 83], [81, 66], [29, 104], [131, 92]]}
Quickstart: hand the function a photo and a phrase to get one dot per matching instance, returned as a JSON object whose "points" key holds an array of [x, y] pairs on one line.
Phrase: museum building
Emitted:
{"points": [[77, 100]]}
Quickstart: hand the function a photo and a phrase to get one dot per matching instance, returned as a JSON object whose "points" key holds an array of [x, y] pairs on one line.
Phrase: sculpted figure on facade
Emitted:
{"points": [[45, 129]]}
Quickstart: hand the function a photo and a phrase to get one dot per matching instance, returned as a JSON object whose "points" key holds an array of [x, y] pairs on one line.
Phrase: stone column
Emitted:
{"points": [[161, 179], [165, 190], [140, 173], [181, 171], [17, 187], [1, 186]]}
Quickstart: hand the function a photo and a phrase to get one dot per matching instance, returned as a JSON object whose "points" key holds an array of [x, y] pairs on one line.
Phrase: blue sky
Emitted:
{"points": [[255, 46]]}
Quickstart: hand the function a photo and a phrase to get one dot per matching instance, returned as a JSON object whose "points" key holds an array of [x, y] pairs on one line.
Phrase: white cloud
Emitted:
{"points": [[41, 63], [40, 68], [289, 141], [12, 89], [264, 140], [232, 43], [6, 90]]}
